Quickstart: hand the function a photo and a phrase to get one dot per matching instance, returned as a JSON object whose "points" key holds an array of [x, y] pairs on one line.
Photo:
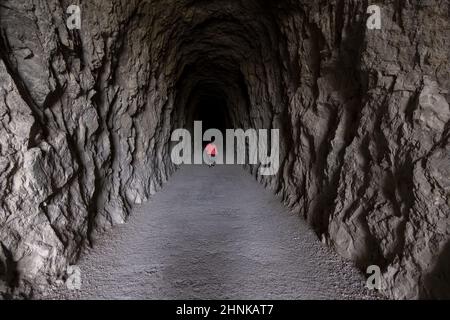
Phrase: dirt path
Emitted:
{"points": [[214, 233]]}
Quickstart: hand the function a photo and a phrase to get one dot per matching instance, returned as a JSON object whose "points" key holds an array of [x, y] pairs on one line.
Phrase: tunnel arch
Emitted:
{"points": [[87, 115]]}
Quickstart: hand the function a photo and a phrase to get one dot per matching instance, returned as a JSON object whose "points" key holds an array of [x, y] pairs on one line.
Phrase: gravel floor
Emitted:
{"points": [[214, 233]]}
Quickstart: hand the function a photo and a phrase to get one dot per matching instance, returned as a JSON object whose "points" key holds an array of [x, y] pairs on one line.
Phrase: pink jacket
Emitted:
{"points": [[211, 149]]}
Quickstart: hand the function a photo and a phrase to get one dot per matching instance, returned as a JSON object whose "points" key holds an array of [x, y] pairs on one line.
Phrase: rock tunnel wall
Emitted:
{"points": [[86, 117]]}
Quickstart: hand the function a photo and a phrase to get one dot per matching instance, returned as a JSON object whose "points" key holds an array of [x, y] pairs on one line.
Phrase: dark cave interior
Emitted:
{"points": [[108, 96]]}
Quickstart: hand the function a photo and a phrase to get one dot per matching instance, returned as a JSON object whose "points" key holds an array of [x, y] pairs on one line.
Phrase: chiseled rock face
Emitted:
{"points": [[86, 117], [82, 120]]}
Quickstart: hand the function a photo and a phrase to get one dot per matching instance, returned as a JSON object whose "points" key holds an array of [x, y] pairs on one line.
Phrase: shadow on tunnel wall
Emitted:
{"points": [[436, 284]]}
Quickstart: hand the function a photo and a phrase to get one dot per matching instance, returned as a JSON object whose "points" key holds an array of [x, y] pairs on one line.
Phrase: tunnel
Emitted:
{"points": [[92, 91], [208, 103]]}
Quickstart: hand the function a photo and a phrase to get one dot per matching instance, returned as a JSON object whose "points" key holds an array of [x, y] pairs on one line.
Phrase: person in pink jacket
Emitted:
{"points": [[211, 151]]}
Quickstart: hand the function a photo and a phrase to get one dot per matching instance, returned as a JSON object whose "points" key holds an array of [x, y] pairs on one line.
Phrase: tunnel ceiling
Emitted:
{"points": [[86, 117]]}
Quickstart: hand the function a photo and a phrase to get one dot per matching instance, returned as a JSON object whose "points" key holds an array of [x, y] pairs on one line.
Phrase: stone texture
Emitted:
{"points": [[86, 117]]}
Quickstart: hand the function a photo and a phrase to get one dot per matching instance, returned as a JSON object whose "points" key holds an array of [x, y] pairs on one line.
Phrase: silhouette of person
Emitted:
{"points": [[211, 151]]}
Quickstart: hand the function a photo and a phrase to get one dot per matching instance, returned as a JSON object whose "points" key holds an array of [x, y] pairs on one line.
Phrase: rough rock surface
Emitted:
{"points": [[86, 117]]}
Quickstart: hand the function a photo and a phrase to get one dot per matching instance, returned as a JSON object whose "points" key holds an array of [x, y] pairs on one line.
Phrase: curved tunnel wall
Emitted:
{"points": [[86, 118]]}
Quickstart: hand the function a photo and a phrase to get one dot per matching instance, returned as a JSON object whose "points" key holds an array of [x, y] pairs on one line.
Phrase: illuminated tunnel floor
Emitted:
{"points": [[214, 233]]}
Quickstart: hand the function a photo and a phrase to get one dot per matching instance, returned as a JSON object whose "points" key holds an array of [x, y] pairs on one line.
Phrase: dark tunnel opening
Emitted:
{"points": [[211, 108], [210, 91]]}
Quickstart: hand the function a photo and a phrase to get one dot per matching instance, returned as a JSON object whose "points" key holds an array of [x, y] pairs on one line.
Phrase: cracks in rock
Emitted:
{"points": [[8, 270], [306, 68], [5, 55]]}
